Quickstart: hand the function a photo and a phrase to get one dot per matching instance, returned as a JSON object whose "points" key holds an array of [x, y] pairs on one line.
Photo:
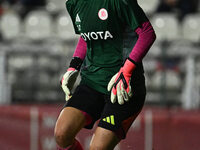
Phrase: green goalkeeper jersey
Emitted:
{"points": [[108, 28]]}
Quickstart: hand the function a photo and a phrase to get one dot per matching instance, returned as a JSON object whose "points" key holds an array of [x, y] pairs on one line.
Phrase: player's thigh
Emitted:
{"points": [[103, 139], [69, 123]]}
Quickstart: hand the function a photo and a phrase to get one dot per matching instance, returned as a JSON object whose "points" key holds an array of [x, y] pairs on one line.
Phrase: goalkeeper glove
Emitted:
{"points": [[120, 83], [69, 78]]}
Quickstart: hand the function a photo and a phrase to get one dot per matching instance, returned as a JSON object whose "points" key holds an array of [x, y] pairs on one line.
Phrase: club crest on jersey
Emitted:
{"points": [[103, 14]]}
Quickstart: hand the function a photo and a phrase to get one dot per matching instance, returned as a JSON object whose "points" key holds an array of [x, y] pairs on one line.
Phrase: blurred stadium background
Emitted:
{"points": [[36, 44]]}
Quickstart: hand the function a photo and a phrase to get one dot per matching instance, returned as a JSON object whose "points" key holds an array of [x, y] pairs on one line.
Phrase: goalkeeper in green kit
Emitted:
{"points": [[115, 35]]}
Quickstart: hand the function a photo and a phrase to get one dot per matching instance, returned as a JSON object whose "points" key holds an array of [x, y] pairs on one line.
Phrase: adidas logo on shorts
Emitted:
{"points": [[110, 119]]}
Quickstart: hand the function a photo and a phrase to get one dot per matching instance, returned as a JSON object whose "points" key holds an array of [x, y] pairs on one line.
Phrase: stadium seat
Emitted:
{"points": [[190, 29], [190, 92], [149, 6], [38, 25], [64, 28], [10, 25], [181, 48], [155, 50], [170, 80], [166, 26], [148, 80]]}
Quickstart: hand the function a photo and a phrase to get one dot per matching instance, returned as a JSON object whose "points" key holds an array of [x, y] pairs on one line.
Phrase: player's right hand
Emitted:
{"points": [[68, 80], [119, 84]]}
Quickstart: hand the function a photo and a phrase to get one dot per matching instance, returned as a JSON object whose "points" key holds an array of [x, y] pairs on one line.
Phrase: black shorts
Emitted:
{"points": [[114, 117]]}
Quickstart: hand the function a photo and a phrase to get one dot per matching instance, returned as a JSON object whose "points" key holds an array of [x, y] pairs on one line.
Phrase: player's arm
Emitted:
{"points": [[70, 76], [146, 37], [119, 85], [81, 49]]}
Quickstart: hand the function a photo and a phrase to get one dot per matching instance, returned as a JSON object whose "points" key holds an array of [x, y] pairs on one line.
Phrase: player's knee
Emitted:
{"points": [[63, 139], [97, 147]]}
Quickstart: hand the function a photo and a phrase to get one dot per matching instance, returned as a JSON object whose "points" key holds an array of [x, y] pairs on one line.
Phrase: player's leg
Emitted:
{"points": [[116, 119], [82, 110], [106, 139], [103, 139], [69, 123]]}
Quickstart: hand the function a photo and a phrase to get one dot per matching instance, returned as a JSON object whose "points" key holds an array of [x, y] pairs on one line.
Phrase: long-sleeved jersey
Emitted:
{"points": [[108, 28]]}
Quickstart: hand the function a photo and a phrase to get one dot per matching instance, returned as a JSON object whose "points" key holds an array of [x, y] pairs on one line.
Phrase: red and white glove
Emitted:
{"points": [[120, 83], [69, 78]]}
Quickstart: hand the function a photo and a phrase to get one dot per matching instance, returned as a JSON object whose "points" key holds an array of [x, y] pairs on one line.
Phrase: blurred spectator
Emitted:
{"points": [[29, 5], [33, 3], [1, 12], [167, 6], [1, 8], [181, 7], [12, 2], [188, 6], [23, 6]]}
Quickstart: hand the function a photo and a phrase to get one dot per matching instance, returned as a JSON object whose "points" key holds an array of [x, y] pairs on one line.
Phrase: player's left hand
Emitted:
{"points": [[120, 83], [68, 80]]}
